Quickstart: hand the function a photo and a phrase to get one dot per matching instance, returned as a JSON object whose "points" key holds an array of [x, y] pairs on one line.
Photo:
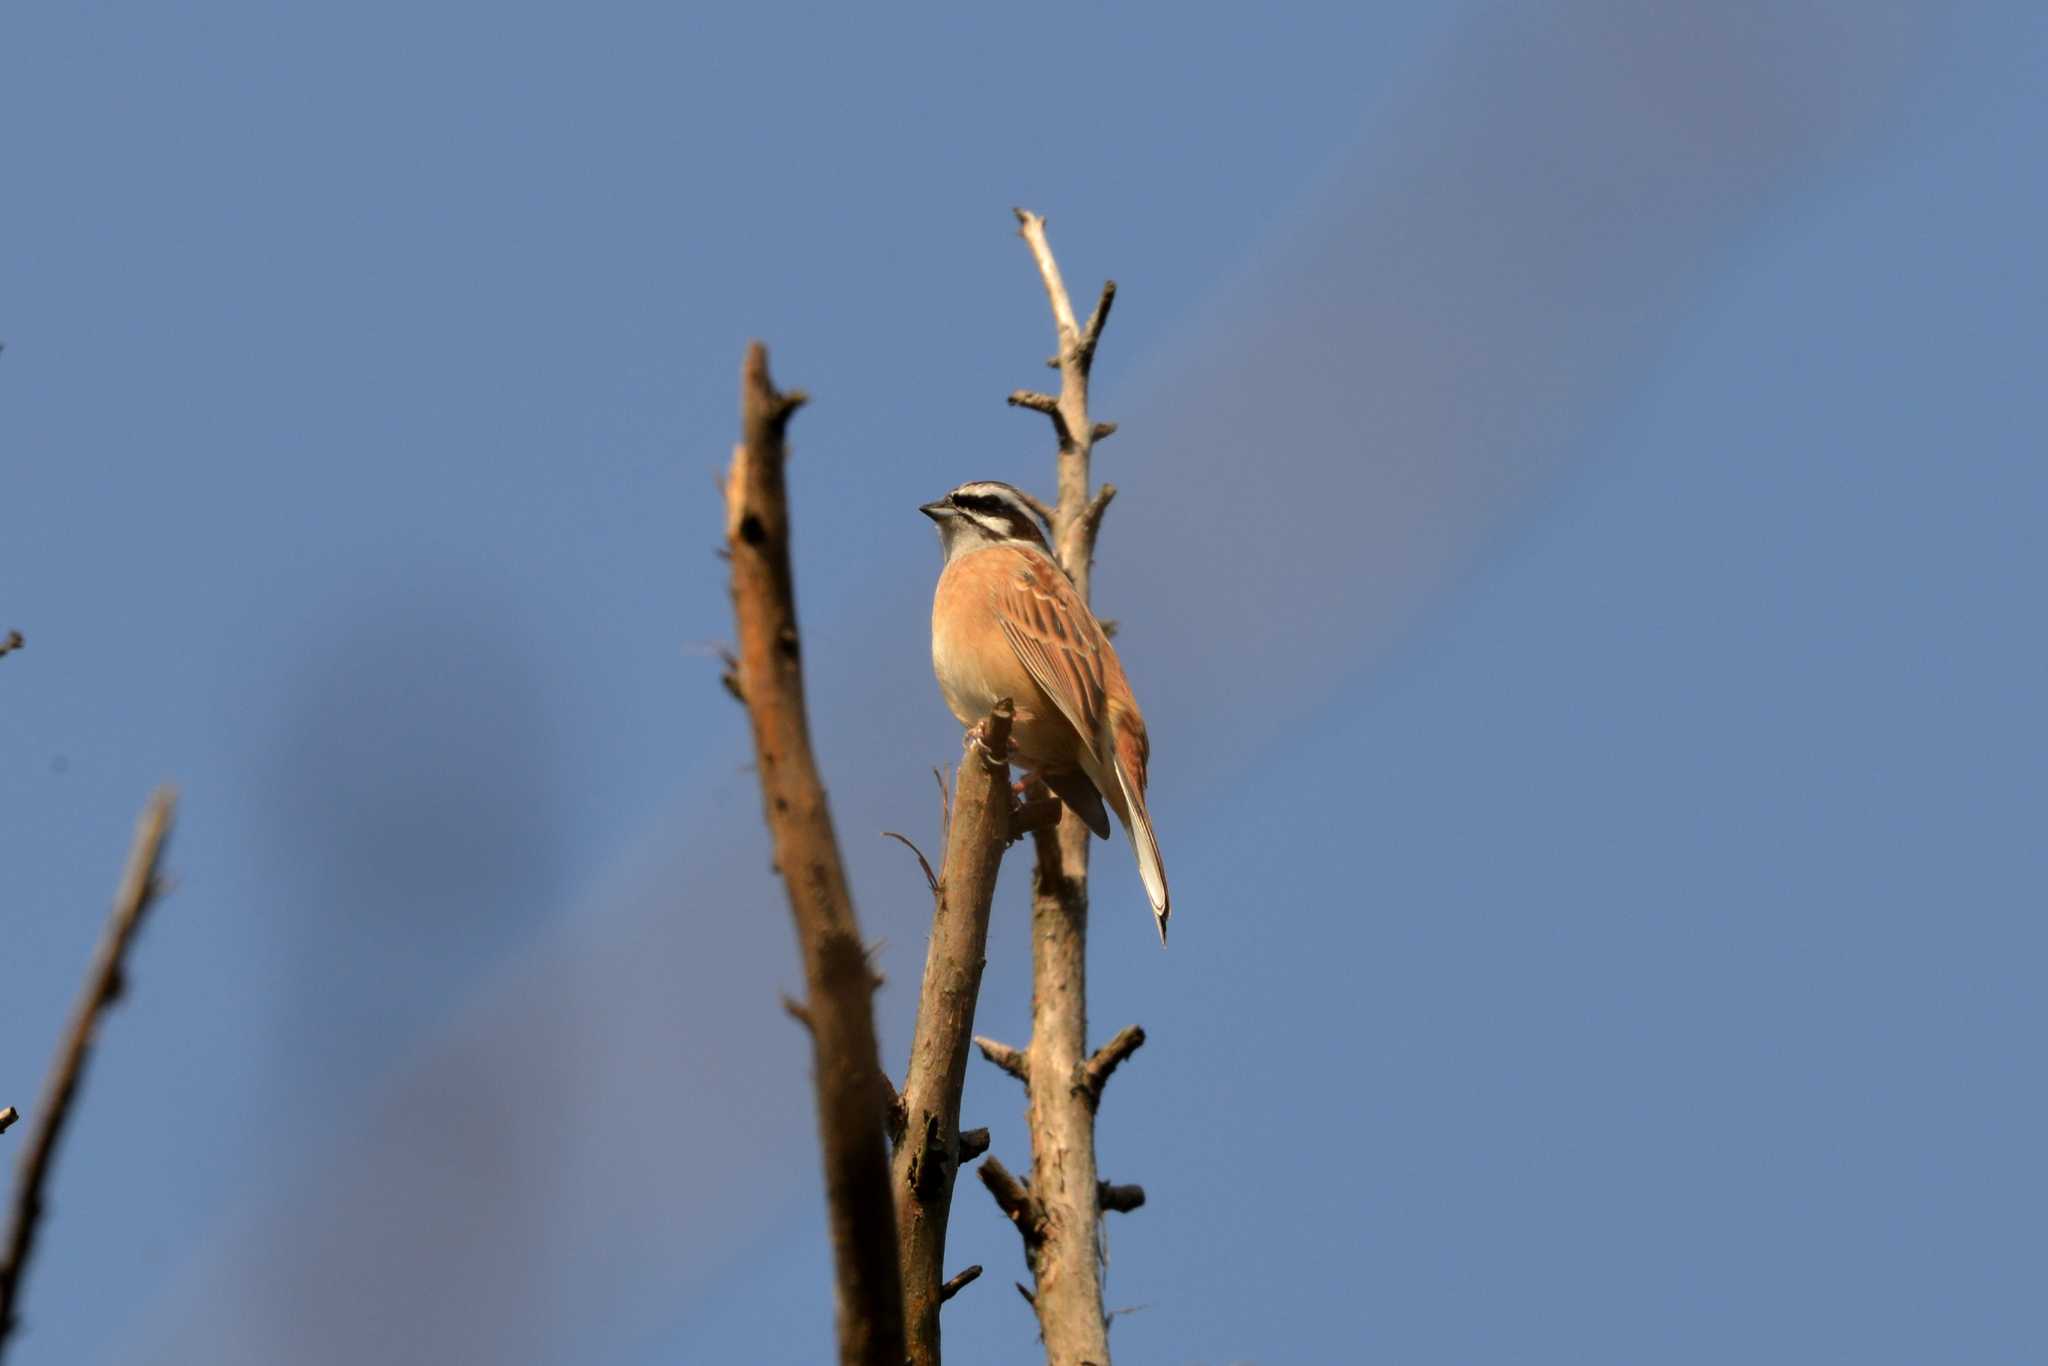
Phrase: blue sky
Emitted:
{"points": [[1580, 530]]}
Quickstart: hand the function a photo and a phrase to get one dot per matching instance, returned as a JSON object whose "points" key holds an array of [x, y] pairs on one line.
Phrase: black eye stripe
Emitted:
{"points": [[999, 510]]}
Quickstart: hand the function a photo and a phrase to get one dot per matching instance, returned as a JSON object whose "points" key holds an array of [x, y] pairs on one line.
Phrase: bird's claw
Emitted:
{"points": [[977, 739]]}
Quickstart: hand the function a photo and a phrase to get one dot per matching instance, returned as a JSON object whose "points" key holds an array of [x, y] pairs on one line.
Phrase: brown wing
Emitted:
{"points": [[1057, 640]]}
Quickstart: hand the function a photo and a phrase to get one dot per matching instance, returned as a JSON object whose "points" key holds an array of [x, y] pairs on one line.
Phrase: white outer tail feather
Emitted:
{"points": [[1139, 831]]}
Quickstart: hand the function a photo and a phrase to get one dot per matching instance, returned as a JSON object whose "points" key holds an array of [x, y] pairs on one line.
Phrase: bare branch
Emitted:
{"points": [[852, 1117], [1041, 403], [977, 832], [1122, 1199], [973, 1143], [1091, 331], [1037, 403], [1031, 227], [958, 1282], [1103, 431], [1091, 516], [1095, 1072], [1010, 1059], [1065, 1258], [10, 1114], [1014, 1200], [12, 643], [139, 890]]}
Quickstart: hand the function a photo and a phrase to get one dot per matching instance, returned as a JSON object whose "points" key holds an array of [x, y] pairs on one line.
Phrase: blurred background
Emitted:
{"points": [[1580, 550]]}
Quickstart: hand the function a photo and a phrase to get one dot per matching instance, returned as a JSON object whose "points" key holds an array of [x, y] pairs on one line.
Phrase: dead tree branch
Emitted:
{"points": [[1060, 1214], [1014, 1200], [11, 643], [924, 1168], [959, 1282], [840, 983], [1121, 1199], [139, 890], [7, 1118], [1095, 1072], [1011, 1060]]}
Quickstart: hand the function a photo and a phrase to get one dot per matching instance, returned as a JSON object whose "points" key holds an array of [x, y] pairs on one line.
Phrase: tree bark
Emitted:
{"points": [[840, 982], [929, 1153], [1059, 1213]]}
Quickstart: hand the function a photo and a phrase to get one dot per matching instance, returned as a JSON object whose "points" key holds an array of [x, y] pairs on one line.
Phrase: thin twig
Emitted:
{"points": [[958, 1282], [1014, 1200], [1091, 331], [1095, 1072], [1036, 402], [12, 643], [1122, 1199], [1011, 1060], [1091, 516], [931, 879], [1044, 403], [139, 890], [7, 1118]]}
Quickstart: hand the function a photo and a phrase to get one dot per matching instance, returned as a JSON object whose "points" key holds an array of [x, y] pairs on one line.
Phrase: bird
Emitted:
{"points": [[1007, 622]]}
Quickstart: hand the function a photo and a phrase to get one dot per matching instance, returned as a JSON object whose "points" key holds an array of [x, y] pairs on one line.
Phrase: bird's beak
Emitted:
{"points": [[938, 511]]}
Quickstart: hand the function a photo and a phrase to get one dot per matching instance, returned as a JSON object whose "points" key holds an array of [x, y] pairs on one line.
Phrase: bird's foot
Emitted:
{"points": [[977, 740]]}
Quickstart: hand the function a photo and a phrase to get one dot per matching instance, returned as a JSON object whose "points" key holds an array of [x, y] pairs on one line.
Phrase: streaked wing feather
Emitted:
{"points": [[1062, 652]]}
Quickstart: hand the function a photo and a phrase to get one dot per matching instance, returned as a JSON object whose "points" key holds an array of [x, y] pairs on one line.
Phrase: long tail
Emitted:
{"points": [[1138, 826]]}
